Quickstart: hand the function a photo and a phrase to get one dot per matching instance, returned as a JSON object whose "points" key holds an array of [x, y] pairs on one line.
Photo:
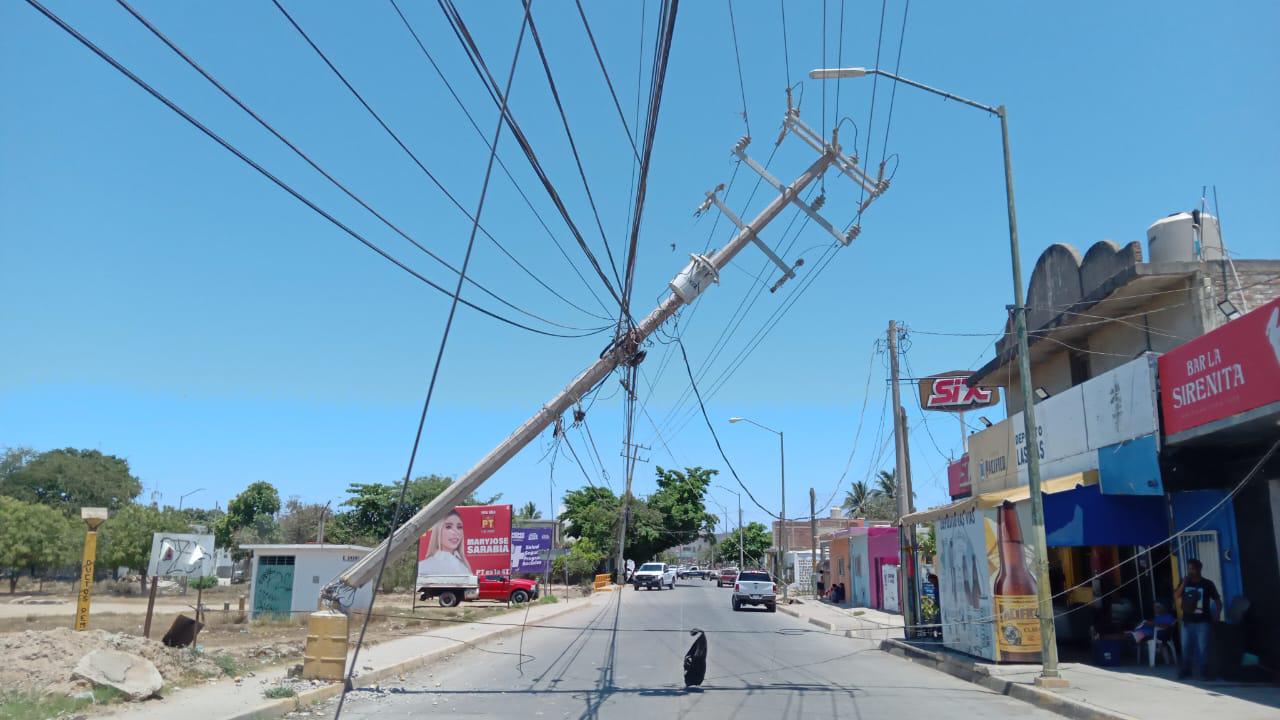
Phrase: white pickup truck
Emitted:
{"points": [[654, 575], [755, 587]]}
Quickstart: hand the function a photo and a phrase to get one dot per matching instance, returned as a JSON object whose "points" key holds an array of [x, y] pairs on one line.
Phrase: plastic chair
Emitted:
{"points": [[1155, 644]]}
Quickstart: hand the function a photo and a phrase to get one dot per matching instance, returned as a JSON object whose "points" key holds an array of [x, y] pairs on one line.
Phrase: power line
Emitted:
{"points": [[716, 438], [476, 58], [657, 80], [435, 370], [307, 158], [110, 60], [875, 85], [894, 92], [737, 56], [607, 80], [573, 148], [391, 132], [786, 51], [506, 171]]}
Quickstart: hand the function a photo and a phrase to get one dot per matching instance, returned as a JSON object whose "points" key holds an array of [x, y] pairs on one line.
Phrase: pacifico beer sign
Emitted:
{"points": [[1231, 370], [949, 393]]}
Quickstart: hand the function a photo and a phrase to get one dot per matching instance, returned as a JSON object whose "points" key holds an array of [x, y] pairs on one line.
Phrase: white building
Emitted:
{"points": [[288, 578]]}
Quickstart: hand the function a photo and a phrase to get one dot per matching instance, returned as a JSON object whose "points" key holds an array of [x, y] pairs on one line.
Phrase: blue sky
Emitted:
{"points": [[167, 304]]}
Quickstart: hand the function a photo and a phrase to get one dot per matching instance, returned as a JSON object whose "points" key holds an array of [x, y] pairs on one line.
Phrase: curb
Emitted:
{"points": [[284, 706], [1041, 698]]}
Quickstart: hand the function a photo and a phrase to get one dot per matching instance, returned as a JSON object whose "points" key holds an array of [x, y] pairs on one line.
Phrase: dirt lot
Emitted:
{"points": [[36, 627]]}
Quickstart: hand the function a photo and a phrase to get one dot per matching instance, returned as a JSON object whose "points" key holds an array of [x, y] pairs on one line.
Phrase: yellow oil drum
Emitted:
{"points": [[325, 656]]}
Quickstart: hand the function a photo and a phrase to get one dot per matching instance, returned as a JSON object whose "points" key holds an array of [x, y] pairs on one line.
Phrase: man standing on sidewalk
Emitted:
{"points": [[1200, 602]]}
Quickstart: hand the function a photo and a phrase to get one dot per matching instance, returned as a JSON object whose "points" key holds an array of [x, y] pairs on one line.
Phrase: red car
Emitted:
{"points": [[728, 576], [505, 589]]}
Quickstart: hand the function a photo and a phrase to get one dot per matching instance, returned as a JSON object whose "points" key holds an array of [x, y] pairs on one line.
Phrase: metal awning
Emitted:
{"points": [[999, 497]]}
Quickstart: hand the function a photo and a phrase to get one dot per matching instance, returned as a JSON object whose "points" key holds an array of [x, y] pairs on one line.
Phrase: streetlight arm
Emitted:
{"points": [[839, 73], [753, 422], [935, 91]]}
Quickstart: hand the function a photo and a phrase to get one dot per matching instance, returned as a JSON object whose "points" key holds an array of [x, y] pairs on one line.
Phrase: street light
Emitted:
{"points": [[184, 496], [740, 545], [782, 463], [1048, 641]]}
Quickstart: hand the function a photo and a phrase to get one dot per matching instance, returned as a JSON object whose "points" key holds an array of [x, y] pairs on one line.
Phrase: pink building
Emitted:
{"points": [[858, 555]]}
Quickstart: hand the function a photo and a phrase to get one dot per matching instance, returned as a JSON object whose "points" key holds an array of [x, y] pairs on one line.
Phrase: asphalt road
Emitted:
{"points": [[624, 659]]}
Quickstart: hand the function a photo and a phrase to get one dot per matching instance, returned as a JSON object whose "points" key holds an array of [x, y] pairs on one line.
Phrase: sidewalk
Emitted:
{"points": [[1120, 693], [862, 623], [229, 700]]}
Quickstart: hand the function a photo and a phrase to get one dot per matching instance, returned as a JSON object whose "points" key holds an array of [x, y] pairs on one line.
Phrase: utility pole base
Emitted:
{"points": [[1052, 683]]}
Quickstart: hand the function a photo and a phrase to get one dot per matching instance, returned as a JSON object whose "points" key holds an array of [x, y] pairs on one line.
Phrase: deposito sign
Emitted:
{"points": [[1231, 370], [948, 392]]}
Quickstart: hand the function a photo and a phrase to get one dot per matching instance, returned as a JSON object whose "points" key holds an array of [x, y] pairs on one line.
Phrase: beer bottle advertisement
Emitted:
{"points": [[1017, 623]]}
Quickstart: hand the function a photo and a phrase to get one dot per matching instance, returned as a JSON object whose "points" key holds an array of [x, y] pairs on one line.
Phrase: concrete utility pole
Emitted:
{"points": [[626, 348], [906, 533], [813, 539]]}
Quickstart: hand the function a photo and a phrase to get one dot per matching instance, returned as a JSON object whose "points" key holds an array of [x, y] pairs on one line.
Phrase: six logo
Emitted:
{"points": [[948, 393]]}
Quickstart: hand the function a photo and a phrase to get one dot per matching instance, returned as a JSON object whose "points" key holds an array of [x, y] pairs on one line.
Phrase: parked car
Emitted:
{"points": [[452, 590], [654, 575], [505, 589], [754, 587], [727, 577]]}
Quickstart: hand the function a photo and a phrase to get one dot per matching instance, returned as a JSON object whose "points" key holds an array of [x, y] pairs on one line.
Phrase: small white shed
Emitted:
{"points": [[286, 579]]}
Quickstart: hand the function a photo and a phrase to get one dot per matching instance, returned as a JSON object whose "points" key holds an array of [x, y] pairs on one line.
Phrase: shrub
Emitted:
{"points": [[280, 691]]}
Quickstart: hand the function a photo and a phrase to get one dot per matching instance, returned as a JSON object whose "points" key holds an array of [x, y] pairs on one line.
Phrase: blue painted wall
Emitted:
{"points": [[1191, 504]]}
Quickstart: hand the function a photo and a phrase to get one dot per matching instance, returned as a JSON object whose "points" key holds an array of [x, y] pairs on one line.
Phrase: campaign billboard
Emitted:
{"points": [[1231, 370], [470, 540], [530, 548]]}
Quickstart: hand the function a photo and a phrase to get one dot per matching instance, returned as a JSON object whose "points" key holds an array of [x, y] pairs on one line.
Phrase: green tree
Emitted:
{"points": [[258, 500], [876, 501], [300, 522], [591, 513], [857, 498], [680, 498], [529, 511], [370, 507], [35, 538], [756, 540], [68, 479], [125, 538], [583, 560]]}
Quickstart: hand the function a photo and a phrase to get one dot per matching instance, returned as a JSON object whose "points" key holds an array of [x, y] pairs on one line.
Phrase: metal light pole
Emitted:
{"points": [[185, 495], [782, 461], [1048, 640], [740, 539]]}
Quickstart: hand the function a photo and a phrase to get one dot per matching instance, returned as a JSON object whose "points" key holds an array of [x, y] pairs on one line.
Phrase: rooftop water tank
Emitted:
{"points": [[1184, 237]]}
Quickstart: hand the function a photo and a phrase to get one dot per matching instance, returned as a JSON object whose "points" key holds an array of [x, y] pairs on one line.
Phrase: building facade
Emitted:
{"points": [[1145, 433]]}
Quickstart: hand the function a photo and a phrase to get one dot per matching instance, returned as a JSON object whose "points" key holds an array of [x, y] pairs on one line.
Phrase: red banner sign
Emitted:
{"points": [[1231, 370], [958, 478], [948, 392], [471, 540]]}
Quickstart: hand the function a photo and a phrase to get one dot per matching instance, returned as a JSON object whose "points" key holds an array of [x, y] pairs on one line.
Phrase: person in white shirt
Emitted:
{"points": [[444, 549]]}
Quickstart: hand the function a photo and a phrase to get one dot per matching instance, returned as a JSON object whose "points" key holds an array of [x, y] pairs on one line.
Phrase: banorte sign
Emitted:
{"points": [[948, 392], [1231, 370]]}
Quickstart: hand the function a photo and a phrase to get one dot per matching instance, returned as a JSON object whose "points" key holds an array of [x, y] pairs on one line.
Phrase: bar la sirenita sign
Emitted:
{"points": [[1231, 370]]}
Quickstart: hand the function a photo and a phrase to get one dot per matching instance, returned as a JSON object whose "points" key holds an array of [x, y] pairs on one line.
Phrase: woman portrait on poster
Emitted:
{"points": [[445, 549]]}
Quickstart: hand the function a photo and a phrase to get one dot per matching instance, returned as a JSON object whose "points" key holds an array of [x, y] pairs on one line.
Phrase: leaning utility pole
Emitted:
{"points": [[906, 533], [626, 349]]}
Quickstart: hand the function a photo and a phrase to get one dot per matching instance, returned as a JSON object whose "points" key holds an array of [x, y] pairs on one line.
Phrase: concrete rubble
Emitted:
{"points": [[136, 677]]}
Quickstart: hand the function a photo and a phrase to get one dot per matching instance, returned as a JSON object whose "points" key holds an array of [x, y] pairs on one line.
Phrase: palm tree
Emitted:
{"points": [[887, 483], [528, 511], [858, 498]]}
